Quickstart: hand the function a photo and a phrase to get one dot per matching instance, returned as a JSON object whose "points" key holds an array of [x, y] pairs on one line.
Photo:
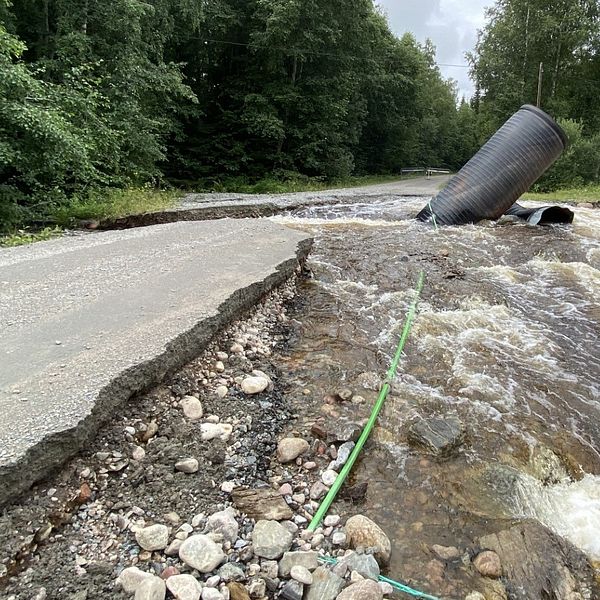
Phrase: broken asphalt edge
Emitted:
{"points": [[44, 458]]}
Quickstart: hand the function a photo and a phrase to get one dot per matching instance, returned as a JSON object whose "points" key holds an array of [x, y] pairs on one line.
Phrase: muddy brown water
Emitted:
{"points": [[506, 339]]}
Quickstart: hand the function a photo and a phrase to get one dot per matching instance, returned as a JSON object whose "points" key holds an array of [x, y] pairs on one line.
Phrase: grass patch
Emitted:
{"points": [[112, 204], [241, 185], [588, 193], [24, 236]]}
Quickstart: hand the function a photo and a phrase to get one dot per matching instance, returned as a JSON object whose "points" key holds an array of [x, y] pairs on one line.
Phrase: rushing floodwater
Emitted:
{"points": [[506, 339]]}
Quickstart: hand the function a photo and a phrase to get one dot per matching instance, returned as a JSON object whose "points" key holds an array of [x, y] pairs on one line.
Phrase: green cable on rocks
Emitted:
{"points": [[335, 488], [400, 587]]}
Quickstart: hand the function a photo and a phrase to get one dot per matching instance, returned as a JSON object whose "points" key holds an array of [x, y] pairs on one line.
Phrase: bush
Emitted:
{"points": [[578, 165]]}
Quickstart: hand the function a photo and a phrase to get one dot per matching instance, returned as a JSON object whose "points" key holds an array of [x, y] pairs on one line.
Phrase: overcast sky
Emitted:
{"points": [[451, 24]]}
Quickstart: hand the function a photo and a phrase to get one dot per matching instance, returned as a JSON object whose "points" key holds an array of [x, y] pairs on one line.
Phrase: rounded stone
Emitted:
{"points": [[362, 590], [184, 587], [254, 385], [187, 465], [364, 533], [488, 564], [301, 574], [192, 408], [131, 578], [155, 537], [138, 453], [209, 593], [201, 553], [270, 539], [224, 522], [151, 588], [290, 449], [222, 391], [328, 478], [210, 431]]}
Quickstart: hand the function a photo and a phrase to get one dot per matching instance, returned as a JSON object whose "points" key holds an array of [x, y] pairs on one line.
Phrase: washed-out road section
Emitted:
{"points": [[89, 321], [194, 207]]}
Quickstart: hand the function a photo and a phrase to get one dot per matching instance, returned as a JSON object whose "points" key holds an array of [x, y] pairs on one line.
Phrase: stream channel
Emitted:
{"points": [[506, 339]]}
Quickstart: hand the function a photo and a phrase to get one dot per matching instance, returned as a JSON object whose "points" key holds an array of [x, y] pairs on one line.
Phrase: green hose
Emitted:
{"points": [[400, 587], [335, 488]]}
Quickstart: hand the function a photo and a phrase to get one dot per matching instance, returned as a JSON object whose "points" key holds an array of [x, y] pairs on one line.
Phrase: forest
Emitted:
{"points": [[104, 95]]}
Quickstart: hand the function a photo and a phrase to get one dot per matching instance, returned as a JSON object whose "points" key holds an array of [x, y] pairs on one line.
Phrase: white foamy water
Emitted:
{"points": [[506, 338], [571, 509]]}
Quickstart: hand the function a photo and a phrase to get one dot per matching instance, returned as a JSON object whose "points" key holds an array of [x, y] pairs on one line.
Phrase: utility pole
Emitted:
{"points": [[540, 78]]}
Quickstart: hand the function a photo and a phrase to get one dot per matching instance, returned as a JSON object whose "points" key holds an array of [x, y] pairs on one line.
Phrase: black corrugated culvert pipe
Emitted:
{"points": [[501, 172]]}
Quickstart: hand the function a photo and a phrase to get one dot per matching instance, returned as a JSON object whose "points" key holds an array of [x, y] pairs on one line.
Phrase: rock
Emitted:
{"points": [[187, 465], [325, 586], [184, 587], [364, 533], [540, 564], [269, 568], [138, 453], [173, 548], [387, 589], [328, 477], [363, 590], [292, 590], [439, 435], [155, 537], [446, 552], [331, 520], [151, 588], [290, 449], [488, 564], [236, 348], [475, 596], [225, 523], [228, 486], [318, 490], [337, 430], [254, 385], [363, 564], [343, 454], [270, 539], [261, 504], [237, 591], [301, 574], [210, 431], [286, 490], [210, 593], [201, 553], [150, 432], [344, 394], [339, 538], [231, 572], [434, 572], [169, 572], [308, 560], [192, 408], [257, 588], [222, 391], [131, 578], [356, 493]]}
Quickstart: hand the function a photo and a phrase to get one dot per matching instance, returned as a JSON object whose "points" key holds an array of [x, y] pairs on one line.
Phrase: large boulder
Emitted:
{"points": [[537, 563]]}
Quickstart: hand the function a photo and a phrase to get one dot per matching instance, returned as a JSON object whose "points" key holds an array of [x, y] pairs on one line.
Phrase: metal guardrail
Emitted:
{"points": [[429, 171]]}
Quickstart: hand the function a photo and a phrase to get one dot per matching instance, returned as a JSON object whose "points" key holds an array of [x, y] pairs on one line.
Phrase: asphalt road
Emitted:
{"points": [[87, 321]]}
